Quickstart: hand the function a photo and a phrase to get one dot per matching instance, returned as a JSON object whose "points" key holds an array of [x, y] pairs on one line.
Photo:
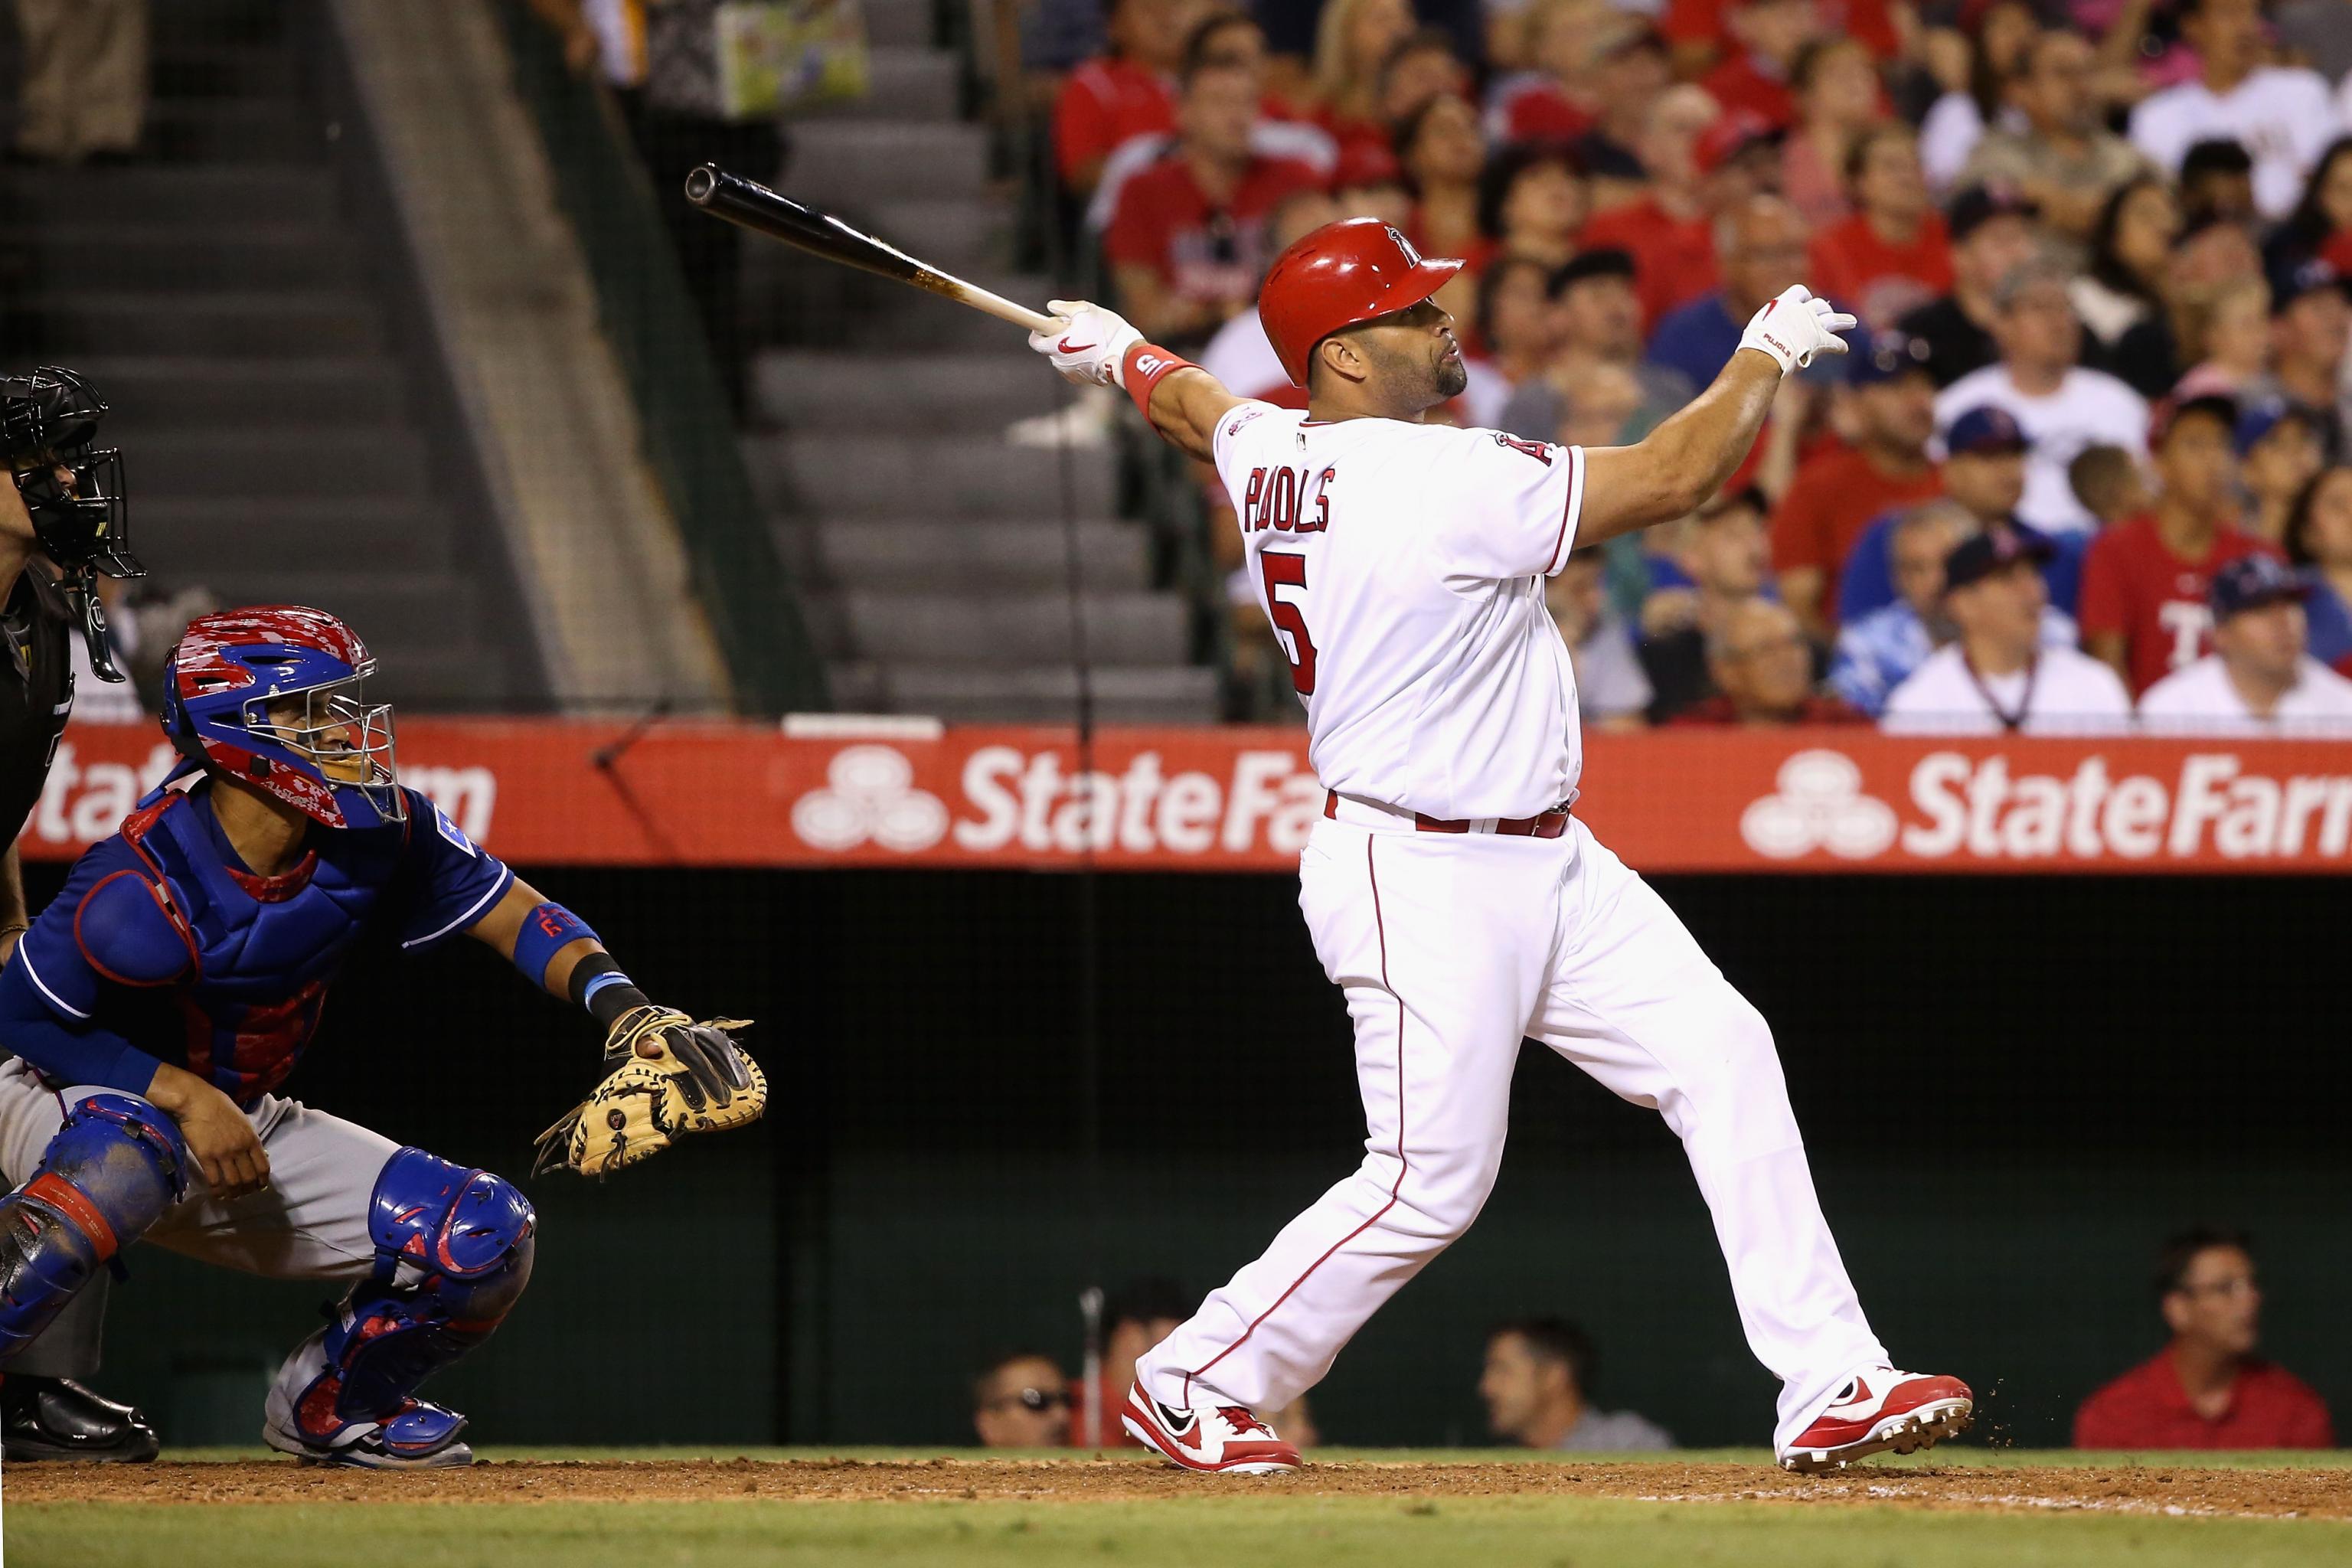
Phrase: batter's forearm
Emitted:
{"points": [[1185, 408], [1710, 437], [1674, 469]]}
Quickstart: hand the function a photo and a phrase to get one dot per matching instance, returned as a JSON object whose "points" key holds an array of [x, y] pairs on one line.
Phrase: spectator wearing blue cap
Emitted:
{"points": [[2310, 323], [1984, 474], [1879, 651], [2280, 452], [2060, 405], [1890, 410], [2260, 678], [1995, 676], [2319, 541]]}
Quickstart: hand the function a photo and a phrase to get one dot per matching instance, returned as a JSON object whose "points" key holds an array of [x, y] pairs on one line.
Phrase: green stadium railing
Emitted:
{"points": [[744, 583]]}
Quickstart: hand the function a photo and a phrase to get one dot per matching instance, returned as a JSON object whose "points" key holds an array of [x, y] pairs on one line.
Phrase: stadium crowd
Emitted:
{"points": [[2087, 465]]}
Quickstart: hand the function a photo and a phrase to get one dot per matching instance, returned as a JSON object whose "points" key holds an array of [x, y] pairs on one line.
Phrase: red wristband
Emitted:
{"points": [[1145, 367]]}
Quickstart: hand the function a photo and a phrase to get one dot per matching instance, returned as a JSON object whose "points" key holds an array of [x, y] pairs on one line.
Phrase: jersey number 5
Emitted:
{"points": [[1283, 569]]}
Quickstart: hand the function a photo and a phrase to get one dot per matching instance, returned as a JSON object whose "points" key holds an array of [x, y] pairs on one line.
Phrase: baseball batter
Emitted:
{"points": [[1450, 889]]}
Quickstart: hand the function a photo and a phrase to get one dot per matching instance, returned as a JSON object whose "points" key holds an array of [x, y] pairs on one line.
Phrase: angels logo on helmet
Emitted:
{"points": [[273, 695]]}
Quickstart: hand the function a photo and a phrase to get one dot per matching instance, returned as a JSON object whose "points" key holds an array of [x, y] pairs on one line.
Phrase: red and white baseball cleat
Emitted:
{"points": [[1879, 1409], [1223, 1438]]}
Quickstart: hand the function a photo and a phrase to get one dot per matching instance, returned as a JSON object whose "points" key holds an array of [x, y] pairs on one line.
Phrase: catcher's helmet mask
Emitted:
{"points": [[274, 696], [73, 491]]}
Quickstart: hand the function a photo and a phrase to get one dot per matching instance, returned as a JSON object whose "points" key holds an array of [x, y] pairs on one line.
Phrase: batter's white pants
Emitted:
{"points": [[1452, 948]]}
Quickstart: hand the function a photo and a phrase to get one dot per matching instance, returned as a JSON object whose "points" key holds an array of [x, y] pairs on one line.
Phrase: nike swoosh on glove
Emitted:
{"points": [[1795, 326], [1088, 344]]}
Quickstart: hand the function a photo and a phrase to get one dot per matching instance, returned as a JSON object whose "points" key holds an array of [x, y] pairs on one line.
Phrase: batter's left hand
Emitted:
{"points": [[1794, 327], [1089, 345]]}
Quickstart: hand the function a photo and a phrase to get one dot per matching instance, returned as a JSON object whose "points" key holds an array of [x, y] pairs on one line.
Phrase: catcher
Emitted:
{"points": [[159, 1002]]}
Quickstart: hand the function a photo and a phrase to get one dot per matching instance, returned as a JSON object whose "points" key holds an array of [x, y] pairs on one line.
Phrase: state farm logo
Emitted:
{"points": [[1820, 806], [870, 794]]}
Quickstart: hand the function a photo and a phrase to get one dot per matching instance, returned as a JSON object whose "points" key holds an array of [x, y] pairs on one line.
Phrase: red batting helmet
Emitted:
{"points": [[1341, 274]]}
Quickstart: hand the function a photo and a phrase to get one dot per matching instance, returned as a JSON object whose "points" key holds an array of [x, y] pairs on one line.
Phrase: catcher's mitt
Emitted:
{"points": [[697, 1080]]}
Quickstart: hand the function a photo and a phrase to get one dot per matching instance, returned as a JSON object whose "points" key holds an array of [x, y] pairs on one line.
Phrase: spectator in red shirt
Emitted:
{"points": [[2145, 581], [1755, 77], [2206, 1389], [1763, 671], [1138, 1316], [1187, 243], [1894, 255], [1443, 153], [1131, 91], [1891, 409], [1669, 233], [1352, 41], [1838, 98]]}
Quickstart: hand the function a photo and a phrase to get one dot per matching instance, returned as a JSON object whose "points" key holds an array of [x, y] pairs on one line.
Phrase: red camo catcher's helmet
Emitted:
{"points": [[1341, 274], [272, 696]]}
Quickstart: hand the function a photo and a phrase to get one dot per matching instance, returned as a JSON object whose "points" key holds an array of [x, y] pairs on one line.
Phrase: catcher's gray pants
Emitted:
{"points": [[85, 83], [309, 1222]]}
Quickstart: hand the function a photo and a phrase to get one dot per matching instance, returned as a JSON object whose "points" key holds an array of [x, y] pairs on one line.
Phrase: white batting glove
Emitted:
{"points": [[1090, 344], [1795, 327]]}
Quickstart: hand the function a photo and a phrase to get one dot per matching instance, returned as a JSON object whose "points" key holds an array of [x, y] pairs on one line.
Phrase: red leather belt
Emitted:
{"points": [[1544, 825]]}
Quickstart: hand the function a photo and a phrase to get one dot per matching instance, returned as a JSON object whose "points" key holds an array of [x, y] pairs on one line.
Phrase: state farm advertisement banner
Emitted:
{"points": [[553, 792]]}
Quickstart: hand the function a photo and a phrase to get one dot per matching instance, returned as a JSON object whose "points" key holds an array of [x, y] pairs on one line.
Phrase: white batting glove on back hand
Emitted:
{"points": [[1794, 327], [1089, 345]]}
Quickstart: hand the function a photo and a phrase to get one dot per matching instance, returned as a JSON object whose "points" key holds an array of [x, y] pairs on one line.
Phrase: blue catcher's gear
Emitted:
{"points": [[271, 696], [346, 1395], [113, 1167], [159, 947]]}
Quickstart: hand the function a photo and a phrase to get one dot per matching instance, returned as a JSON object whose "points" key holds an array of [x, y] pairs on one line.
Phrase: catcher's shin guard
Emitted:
{"points": [[453, 1252], [114, 1166]]}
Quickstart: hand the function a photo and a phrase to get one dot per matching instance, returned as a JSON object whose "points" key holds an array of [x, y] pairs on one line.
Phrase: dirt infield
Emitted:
{"points": [[2151, 1490]]}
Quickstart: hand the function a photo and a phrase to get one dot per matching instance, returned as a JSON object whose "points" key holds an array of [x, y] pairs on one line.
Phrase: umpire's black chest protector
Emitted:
{"points": [[36, 689]]}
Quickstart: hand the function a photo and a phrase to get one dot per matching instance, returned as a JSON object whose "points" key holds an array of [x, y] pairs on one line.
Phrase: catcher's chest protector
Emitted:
{"points": [[265, 948]]}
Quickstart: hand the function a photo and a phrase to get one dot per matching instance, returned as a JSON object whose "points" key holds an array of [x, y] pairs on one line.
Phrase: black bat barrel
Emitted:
{"points": [[751, 204]]}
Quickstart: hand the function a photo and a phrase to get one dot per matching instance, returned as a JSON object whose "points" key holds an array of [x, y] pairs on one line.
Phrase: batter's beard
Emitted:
{"points": [[1452, 377]]}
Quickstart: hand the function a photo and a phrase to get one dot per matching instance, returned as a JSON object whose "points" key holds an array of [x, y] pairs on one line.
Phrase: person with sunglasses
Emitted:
{"points": [[1022, 1401]]}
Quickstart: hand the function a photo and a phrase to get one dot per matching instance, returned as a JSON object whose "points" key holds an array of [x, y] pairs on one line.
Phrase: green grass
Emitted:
{"points": [[1498, 1533], [1212, 1528]]}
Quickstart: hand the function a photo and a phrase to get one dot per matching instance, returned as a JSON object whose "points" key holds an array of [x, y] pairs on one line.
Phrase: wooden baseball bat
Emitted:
{"points": [[751, 204]]}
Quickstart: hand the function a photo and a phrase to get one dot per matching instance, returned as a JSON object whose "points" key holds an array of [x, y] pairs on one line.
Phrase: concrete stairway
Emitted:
{"points": [[220, 296], [933, 555]]}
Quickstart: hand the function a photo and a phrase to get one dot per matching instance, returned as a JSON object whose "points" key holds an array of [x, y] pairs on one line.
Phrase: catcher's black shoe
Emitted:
{"points": [[58, 1419]]}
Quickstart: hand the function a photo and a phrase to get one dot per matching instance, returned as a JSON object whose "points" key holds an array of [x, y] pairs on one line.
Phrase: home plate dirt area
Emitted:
{"points": [[2147, 1487]]}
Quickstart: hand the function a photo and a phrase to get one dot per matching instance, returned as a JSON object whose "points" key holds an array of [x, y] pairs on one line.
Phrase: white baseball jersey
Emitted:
{"points": [[1402, 568]]}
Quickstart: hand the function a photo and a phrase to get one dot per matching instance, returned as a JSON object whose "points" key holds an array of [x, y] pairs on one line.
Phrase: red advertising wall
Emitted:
{"points": [[550, 792]]}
